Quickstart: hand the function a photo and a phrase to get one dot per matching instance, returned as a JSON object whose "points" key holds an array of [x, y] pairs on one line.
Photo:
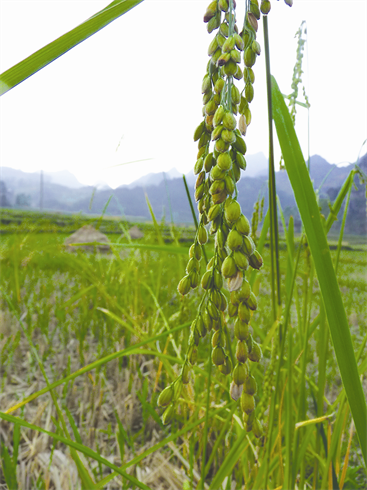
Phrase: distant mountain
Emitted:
{"points": [[168, 198], [24, 187], [65, 178], [154, 179], [16, 177], [257, 165]]}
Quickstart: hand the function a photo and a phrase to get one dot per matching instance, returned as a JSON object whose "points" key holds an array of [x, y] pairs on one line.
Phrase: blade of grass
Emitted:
{"points": [[49, 53], [335, 208], [193, 214], [308, 208], [78, 295], [155, 222], [340, 241], [278, 370], [9, 469], [82, 470], [346, 459], [205, 435], [274, 238], [260, 245], [95, 365], [159, 445], [75, 445], [229, 461], [134, 330]]}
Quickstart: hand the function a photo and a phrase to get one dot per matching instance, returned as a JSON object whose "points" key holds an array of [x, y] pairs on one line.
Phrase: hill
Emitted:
{"points": [[167, 195]]}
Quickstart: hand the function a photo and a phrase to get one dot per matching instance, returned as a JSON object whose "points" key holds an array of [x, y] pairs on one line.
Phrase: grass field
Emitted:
{"points": [[77, 308]]}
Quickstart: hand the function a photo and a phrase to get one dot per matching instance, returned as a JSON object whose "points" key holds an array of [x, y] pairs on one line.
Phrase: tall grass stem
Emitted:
{"points": [[274, 238]]}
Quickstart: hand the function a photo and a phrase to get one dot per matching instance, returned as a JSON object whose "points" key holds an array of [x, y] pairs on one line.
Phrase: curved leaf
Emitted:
{"points": [[41, 58], [75, 445], [310, 214]]}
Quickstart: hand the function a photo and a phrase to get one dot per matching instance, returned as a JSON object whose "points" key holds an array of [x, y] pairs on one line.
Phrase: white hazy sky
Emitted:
{"points": [[133, 90]]}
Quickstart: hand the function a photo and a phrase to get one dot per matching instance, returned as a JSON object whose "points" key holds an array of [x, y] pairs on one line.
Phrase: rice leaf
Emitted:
{"points": [[308, 208], [79, 447], [49, 53]]}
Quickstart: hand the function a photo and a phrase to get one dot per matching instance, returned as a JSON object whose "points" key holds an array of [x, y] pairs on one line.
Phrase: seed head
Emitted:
{"points": [[247, 403], [195, 251], [238, 75], [206, 280], [235, 282], [232, 210], [223, 59], [256, 48], [184, 285], [202, 235], [254, 8], [226, 368], [223, 5], [241, 330], [224, 161], [192, 355], [255, 354], [249, 92], [208, 162], [240, 144], [166, 396], [255, 260], [229, 267], [257, 428], [235, 391], [234, 240], [213, 23], [248, 245], [245, 291], [228, 136], [218, 356], [229, 44], [185, 374], [199, 131], [240, 373], [240, 259], [232, 310], [223, 29], [235, 95], [230, 185], [252, 302], [242, 224], [239, 42], [221, 146], [250, 385], [252, 21], [168, 414], [244, 313], [242, 126], [241, 351], [249, 57], [214, 210], [229, 121]]}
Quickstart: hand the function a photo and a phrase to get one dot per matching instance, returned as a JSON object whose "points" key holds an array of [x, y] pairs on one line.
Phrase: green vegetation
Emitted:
{"points": [[20, 222], [80, 308], [102, 383]]}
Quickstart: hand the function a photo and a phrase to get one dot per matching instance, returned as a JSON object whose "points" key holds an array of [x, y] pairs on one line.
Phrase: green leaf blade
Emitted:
{"points": [[307, 205], [49, 53]]}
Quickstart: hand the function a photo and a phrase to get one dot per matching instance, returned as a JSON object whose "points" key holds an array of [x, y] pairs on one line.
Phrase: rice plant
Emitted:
{"points": [[107, 366]]}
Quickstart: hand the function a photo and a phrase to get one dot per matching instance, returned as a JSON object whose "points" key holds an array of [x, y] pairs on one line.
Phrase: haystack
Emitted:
{"points": [[88, 234], [135, 233]]}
